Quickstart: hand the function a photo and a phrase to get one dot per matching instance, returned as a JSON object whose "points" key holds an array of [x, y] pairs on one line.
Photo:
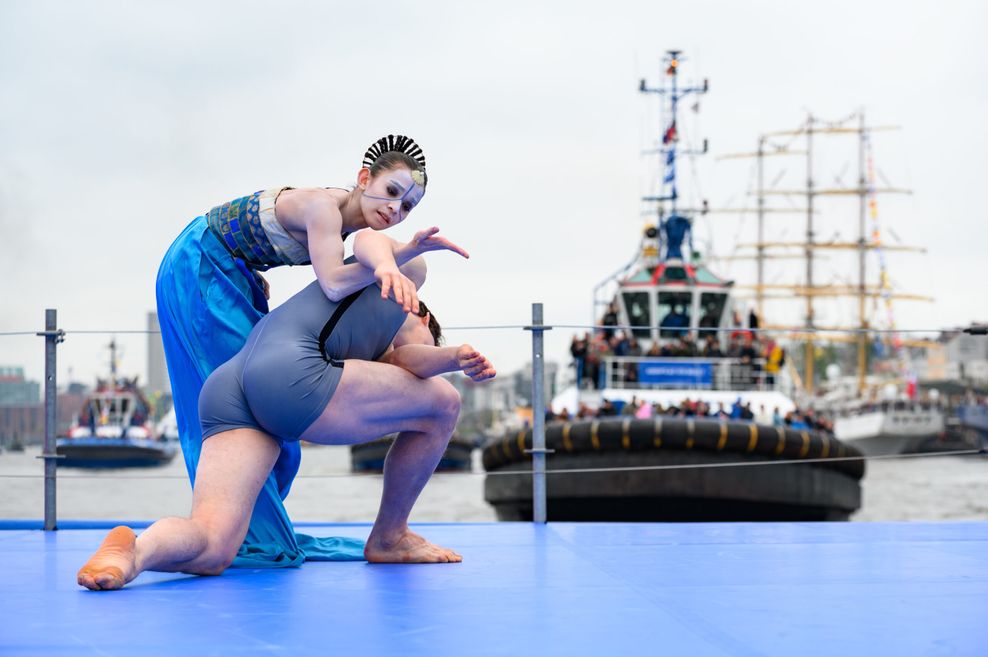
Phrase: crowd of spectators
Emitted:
{"points": [[759, 360], [640, 409]]}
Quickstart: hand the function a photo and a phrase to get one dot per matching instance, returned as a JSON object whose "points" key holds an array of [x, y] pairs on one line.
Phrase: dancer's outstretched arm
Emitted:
{"points": [[326, 251], [424, 361], [378, 259], [382, 256]]}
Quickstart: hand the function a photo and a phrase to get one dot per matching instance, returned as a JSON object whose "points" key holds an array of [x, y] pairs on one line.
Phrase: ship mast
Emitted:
{"points": [[761, 211], [810, 195], [669, 192], [113, 360], [809, 290], [670, 136], [862, 253]]}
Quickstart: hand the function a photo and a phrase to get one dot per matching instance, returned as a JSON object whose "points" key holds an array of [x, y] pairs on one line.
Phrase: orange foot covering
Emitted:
{"points": [[105, 569]]}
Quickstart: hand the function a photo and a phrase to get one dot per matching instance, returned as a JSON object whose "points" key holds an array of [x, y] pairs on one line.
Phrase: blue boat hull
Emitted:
{"points": [[113, 453]]}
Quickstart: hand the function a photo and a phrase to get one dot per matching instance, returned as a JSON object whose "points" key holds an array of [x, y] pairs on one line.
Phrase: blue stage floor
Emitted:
{"points": [[563, 589]]}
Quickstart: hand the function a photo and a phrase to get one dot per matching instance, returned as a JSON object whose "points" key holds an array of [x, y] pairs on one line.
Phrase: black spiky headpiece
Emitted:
{"points": [[399, 143]]}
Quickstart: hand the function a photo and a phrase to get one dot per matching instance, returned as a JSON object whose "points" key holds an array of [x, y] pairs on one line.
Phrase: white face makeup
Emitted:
{"points": [[399, 193]]}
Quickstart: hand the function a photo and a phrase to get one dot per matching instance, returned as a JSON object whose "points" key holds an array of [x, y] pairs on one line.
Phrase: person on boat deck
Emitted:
{"points": [[675, 319], [329, 372], [210, 294], [610, 320]]}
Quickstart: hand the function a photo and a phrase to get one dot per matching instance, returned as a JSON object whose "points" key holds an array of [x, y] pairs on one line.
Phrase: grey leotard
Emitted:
{"points": [[285, 375]]}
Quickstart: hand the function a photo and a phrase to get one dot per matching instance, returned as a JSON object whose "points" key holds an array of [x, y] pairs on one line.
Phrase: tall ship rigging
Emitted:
{"points": [[878, 411]]}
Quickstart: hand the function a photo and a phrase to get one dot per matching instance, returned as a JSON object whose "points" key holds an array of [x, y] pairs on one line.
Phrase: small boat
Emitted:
{"points": [[114, 429], [369, 456], [890, 427]]}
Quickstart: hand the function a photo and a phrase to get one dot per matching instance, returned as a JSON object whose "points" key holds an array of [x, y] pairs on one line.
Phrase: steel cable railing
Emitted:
{"points": [[495, 473], [54, 336]]}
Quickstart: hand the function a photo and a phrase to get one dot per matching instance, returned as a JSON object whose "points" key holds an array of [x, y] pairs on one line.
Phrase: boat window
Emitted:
{"points": [[674, 274], [674, 311], [637, 306], [712, 309]]}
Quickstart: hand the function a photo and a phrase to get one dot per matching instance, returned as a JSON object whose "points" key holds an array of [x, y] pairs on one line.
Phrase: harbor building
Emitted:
{"points": [[15, 389]]}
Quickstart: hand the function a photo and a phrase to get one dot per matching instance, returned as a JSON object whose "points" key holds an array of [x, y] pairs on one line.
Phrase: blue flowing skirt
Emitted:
{"points": [[208, 302]]}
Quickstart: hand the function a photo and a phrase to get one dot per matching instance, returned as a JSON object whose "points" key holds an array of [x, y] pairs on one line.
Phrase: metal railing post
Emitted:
{"points": [[53, 335], [538, 450]]}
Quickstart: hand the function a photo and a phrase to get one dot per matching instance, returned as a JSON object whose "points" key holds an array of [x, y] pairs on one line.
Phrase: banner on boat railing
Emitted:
{"points": [[671, 372]]}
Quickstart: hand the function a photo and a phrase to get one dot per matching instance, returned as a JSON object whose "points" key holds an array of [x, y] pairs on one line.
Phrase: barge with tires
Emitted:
{"points": [[677, 469]]}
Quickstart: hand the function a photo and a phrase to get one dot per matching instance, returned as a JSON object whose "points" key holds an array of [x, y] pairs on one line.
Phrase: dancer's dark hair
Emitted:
{"points": [[393, 151], [434, 328]]}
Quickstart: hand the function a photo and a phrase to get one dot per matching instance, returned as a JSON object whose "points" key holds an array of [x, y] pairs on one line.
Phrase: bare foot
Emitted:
{"points": [[112, 565], [408, 548]]}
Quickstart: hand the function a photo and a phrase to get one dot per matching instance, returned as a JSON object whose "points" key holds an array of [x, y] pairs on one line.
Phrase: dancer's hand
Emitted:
{"points": [[472, 363], [428, 240], [392, 280], [265, 286]]}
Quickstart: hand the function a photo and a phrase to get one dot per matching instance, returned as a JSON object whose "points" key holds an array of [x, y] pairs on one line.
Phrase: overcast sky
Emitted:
{"points": [[121, 121]]}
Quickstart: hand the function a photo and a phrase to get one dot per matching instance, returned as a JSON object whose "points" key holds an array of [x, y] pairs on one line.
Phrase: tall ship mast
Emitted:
{"points": [[869, 240], [873, 414]]}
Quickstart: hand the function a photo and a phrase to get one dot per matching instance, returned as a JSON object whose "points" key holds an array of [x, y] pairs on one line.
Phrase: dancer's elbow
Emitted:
{"points": [[333, 292]]}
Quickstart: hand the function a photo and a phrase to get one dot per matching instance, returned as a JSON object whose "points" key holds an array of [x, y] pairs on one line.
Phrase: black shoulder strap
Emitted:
{"points": [[327, 330]]}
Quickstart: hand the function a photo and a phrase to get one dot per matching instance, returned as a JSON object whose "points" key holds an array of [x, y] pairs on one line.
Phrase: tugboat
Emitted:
{"points": [[114, 429], [690, 466]]}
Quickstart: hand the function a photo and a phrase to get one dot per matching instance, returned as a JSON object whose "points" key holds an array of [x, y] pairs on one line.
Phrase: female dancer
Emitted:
{"points": [[210, 296], [318, 370]]}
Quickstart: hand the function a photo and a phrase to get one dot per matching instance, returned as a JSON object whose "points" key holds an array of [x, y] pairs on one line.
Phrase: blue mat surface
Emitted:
{"points": [[561, 589]]}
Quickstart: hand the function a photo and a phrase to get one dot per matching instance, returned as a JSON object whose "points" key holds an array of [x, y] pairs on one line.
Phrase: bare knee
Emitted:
{"points": [[218, 548], [217, 557], [445, 401]]}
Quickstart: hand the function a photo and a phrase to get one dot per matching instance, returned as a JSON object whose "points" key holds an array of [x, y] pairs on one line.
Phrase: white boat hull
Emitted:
{"points": [[882, 433]]}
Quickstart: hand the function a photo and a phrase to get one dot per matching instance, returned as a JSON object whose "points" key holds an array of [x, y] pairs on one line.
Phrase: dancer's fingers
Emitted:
{"points": [[479, 366], [414, 296], [484, 375], [473, 371], [265, 286], [408, 294], [385, 286], [398, 291], [422, 237], [479, 361], [450, 246]]}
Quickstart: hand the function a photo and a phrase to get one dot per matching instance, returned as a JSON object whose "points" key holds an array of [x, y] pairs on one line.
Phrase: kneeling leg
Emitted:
{"points": [[233, 466]]}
